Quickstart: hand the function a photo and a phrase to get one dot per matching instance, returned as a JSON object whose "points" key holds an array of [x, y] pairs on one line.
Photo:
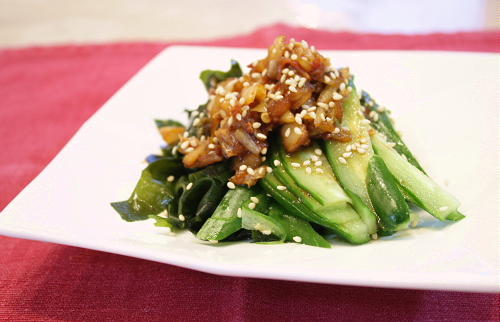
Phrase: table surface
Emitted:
{"points": [[48, 92]]}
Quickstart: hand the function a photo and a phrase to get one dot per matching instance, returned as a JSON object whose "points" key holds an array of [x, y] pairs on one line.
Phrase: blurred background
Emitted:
{"points": [[34, 22]]}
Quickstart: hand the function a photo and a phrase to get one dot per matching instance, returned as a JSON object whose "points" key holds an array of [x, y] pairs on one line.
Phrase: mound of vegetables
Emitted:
{"points": [[351, 178]]}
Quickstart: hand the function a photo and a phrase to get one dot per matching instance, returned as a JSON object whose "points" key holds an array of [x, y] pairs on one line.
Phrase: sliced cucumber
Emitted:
{"points": [[336, 214], [389, 202], [313, 173], [424, 192], [297, 230], [265, 225], [225, 221], [350, 163]]}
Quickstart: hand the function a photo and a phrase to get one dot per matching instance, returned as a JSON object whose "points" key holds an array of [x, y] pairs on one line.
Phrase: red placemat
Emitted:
{"points": [[46, 93]]}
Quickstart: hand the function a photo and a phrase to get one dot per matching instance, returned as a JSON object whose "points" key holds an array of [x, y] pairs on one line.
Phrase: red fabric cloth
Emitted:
{"points": [[46, 94]]}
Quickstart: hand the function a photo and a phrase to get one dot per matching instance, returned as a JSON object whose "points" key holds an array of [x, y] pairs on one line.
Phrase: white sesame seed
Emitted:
{"points": [[238, 117], [302, 81], [170, 178], [312, 114], [336, 96], [347, 154], [348, 148], [232, 101], [303, 113], [251, 205], [307, 162], [304, 44], [230, 121], [266, 232], [443, 208], [263, 151], [276, 162], [269, 169], [318, 163], [213, 241], [231, 185], [189, 186], [297, 239], [220, 90], [365, 121], [256, 125], [314, 158], [308, 170], [323, 105], [336, 131], [327, 79], [250, 171], [254, 199], [285, 71], [182, 218], [342, 86], [295, 164], [292, 89], [184, 145], [363, 140], [293, 57], [361, 150], [211, 146], [318, 151], [188, 150], [287, 132], [287, 54], [243, 167], [255, 75], [298, 119], [365, 146], [319, 170], [342, 160], [261, 136], [281, 188], [297, 130], [331, 104], [246, 84]]}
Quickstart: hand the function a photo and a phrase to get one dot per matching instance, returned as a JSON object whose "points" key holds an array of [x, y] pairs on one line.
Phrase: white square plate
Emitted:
{"points": [[445, 103]]}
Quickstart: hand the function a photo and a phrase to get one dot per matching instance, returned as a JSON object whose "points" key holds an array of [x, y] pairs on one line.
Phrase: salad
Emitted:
{"points": [[291, 151]]}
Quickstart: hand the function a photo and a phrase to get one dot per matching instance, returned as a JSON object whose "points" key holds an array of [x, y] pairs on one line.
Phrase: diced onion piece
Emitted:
{"points": [[246, 140]]}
